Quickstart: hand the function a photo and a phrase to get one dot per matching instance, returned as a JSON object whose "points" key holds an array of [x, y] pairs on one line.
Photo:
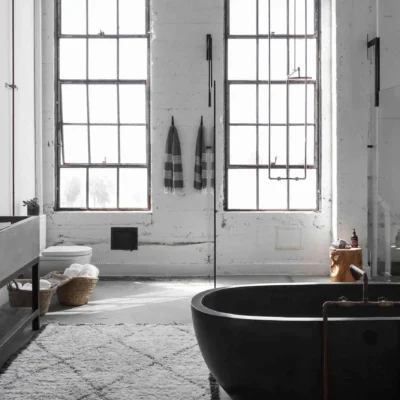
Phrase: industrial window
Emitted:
{"points": [[102, 93], [272, 92]]}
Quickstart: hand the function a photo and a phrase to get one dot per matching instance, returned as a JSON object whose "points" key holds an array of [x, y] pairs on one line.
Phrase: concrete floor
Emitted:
{"points": [[151, 301], [158, 301]]}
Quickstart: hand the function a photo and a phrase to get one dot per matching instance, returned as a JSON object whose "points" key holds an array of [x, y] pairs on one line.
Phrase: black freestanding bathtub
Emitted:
{"points": [[265, 341]]}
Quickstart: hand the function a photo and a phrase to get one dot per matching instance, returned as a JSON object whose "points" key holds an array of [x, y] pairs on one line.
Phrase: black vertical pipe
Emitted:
{"points": [[35, 295], [13, 103], [215, 187], [210, 74]]}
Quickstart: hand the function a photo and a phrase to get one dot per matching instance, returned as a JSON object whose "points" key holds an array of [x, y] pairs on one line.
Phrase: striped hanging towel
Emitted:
{"points": [[212, 168], [173, 172], [200, 166]]}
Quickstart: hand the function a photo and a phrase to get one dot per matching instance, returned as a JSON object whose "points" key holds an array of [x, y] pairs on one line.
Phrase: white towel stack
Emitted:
{"points": [[44, 285], [82, 271]]}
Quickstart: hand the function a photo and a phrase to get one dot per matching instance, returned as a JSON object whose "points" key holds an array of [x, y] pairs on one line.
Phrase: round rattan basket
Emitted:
{"points": [[23, 298], [77, 291]]}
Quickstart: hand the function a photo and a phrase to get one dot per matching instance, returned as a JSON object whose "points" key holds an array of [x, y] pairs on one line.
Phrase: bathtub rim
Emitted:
{"points": [[197, 304]]}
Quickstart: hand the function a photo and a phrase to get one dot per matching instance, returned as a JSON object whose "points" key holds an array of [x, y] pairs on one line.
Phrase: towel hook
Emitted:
{"points": [[173, 123]]}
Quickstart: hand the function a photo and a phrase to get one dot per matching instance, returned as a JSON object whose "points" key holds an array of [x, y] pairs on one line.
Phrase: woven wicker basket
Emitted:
{"points": [[77, 291], [23, 298]]}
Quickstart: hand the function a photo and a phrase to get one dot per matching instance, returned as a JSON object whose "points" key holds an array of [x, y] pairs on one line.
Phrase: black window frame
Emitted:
{"points": [[117, 82], [257, 83]]}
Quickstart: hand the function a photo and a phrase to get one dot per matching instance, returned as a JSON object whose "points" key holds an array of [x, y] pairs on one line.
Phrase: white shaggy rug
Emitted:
{"points": [[107, 362]]}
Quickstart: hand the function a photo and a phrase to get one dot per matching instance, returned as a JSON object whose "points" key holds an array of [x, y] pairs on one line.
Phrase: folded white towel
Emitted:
{"points": [[73, 270], [44, 285], [83, 271], [89, 271], [19, 285]]}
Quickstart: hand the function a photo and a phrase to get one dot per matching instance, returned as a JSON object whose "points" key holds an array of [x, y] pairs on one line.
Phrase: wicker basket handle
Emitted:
{"points": [[16, 286]]}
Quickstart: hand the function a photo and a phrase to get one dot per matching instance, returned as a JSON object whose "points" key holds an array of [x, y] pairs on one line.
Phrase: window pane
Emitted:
{"points": [[273, 193], [132, 102], [103, 104], [243, 145], [242, 59], [133, 144], [133, 59], [297, 57], [102, 188], [242, 15], [278, 17], [297, 99], [104, 144], [74, 106], [278, 145], [132, 17], [242, 189], [133, 188], [297, 17], [242, 104], [102, 17], [102, 59], [297, 145], [278, 59], [73, 17], [72, 58], [75, 144], [72, 187], [303, 194], [278, 104]]}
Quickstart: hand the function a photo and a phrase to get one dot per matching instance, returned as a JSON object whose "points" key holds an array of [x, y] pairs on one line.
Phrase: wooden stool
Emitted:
{"points": [[341, 261]]}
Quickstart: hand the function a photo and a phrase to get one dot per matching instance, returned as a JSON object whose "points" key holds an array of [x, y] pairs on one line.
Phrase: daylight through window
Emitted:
{"points": [[102, 105], [272, 84]]}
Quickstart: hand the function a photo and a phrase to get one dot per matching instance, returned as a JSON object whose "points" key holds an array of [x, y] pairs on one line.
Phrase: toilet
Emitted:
{"points": [[58, 258]]}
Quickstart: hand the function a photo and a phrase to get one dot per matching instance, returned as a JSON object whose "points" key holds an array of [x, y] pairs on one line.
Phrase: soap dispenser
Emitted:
{"points": [[398, 239], [354, 239]]}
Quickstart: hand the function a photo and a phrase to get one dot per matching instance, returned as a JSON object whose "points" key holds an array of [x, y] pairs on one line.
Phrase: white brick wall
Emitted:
{"points": [[246, 241]]}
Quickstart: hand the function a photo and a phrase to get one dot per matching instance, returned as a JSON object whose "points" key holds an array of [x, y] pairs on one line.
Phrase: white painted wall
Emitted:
{"points": [[389, 118], [24, 106], [176, 237], [352, 88], [5, 107], [25, 173]]}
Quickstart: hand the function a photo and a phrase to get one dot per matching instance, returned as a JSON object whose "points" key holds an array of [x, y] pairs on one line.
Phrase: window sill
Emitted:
{"points": [[272, 212], [140, 212]]}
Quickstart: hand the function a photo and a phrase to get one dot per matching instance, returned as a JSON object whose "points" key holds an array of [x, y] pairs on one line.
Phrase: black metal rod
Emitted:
{"points": [[215, 187], [210, 73], [377, 43], [35, 295]]}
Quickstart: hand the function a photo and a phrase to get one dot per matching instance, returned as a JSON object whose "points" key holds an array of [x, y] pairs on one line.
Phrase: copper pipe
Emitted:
{"points": [[358, 273]]}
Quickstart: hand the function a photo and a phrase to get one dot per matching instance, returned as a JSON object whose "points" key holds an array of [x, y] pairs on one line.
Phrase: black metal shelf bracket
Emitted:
{"points": [[376, 42]]}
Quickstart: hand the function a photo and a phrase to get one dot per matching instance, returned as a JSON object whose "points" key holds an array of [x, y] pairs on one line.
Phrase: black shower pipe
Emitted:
{"points": [[215, 187], [376, 42]]}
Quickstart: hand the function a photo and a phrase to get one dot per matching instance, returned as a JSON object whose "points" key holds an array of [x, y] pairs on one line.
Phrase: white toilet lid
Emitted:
{"points": [[66, 251]]}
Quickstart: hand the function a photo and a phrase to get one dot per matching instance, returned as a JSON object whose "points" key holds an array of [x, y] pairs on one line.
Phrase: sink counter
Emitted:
{"points": [[19, 245]]}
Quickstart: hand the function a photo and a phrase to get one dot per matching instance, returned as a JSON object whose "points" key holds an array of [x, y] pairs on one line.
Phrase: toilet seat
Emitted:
{"points": [[58, 258], [60, 252]]}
